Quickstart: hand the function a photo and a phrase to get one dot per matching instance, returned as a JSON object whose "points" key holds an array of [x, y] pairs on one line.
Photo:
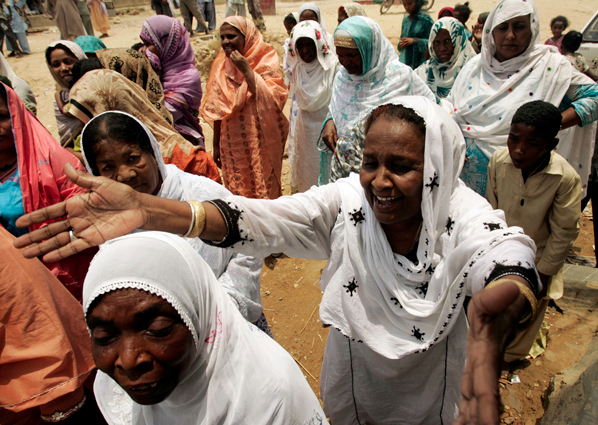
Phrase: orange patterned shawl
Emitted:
{"points": [[254, 129]]}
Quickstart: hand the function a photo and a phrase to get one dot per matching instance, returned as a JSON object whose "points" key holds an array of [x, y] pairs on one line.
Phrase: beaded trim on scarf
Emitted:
{"points": [[345, 42], [129, 284], [60, 416]]}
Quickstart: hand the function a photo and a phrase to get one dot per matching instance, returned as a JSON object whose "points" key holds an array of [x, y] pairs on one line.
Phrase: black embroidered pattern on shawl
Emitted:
{"points": [[352, 286], [433, 182], [526, 271], [449, 225], [492, 226], [417, 333], [357, 216], [231, 217]]}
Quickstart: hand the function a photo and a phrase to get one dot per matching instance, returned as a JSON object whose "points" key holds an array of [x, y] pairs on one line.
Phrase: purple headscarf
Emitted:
{"points": [[180, 78]]}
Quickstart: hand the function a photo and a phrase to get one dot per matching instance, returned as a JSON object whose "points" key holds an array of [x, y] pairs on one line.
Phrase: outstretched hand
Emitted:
{"points": [[493, 315], [109, 210]]}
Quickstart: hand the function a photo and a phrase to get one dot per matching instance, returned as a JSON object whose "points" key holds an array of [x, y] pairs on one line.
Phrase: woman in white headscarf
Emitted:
{"points": [[313, 66], [311, 12], [102, 142], [173, 349], [371, 74], [60, 57], [512, 69], [405, 241], [449, 50]]}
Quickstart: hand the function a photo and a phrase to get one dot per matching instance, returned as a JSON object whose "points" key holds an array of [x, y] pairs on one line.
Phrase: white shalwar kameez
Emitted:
{"points": [[396, 348]]}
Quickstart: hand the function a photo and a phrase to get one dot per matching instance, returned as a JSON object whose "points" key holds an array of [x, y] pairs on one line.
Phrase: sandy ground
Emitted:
{"points": [[290, 287]]}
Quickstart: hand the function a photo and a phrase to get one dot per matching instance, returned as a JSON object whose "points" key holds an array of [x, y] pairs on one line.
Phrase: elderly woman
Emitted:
{"points": [[405, 241], [104, 90], [118, 146], [172, 348], [168, 50], [245, 96], [513, 69], [371, 74], [60, 58], [449, 51], [32, 176], [350, 9], [313, 67]]}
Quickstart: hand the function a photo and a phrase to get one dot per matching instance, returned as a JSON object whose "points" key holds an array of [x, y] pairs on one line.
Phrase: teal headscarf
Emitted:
{"points": [[363, 35], [440, 76], [89, 43]]}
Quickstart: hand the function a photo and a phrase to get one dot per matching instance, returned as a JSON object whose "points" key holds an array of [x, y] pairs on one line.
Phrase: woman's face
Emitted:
{"points": [[308, 15], [410, 6], [392, 171], [443, 46], [62, 63], [350, 59], [231, 39], [306, 49], [7, 141], [342, 15], [141, 342], [129, 164], [289, 25], [512, 37], [557, 28]]}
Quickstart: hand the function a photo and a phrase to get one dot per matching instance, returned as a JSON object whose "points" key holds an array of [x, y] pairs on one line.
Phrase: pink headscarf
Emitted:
{"points": [[180, 78]]}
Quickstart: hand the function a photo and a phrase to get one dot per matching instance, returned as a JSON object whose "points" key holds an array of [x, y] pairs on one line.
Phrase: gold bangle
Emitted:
{"points": [[527, 293], [199, 214]]}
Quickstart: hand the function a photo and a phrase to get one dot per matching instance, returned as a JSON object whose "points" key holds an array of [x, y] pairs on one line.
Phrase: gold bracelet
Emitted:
{"points": [[527, 293], [199, 213]]}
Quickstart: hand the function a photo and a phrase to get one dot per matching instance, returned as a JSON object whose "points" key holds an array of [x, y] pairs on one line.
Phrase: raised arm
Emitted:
{"points": [[109, 210]]}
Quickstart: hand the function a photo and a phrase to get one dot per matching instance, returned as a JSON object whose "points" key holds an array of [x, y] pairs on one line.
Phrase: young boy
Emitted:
{"points": [[539, 191]]}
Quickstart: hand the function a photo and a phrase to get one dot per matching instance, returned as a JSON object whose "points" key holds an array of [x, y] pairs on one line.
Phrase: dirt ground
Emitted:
{"points": [[290, 287]]}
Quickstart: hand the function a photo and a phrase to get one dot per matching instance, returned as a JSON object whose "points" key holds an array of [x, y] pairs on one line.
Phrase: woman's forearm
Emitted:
{"points": [[167, 215], [570, 118]]}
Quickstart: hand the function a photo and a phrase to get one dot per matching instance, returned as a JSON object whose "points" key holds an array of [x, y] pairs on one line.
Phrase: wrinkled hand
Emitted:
{"points": [[493, 314], [329, 135], [240, 62], [405, 42], [109, 210]]}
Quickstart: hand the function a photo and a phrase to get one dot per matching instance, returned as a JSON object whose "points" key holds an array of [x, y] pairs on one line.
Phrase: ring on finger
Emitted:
{"points": [[72, 235]]}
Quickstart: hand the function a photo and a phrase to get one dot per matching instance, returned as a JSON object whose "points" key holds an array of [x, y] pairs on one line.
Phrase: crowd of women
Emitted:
{"points": [[386, 152]]}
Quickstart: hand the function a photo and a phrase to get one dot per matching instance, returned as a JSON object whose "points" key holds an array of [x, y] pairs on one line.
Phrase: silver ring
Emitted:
{"points": [[72, 235]]}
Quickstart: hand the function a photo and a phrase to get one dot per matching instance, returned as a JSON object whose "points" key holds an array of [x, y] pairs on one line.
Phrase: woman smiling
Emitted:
{"points": [[405, 241]]}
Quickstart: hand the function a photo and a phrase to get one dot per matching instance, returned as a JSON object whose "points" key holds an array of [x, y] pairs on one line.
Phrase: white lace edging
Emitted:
{"points": [[131, 284]]}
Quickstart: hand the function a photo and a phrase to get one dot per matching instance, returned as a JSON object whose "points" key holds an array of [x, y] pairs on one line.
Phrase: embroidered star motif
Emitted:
{"points": [[449, 225], [423, 288], [357, 216], [351, 287], [417, 333], [433, 182], [492, 226], [396, 302]]}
